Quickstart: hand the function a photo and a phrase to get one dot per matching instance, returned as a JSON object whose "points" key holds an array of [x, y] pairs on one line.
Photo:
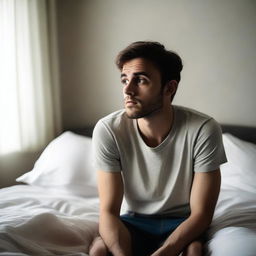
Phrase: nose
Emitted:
{"points": [[130, 88]]}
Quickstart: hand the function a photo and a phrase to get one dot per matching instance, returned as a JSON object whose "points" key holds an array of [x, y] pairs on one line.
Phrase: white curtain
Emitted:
{"points": [[29, 99]]}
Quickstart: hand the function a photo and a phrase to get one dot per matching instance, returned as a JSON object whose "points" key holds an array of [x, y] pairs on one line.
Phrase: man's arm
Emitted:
{"points": [[112, 230], [204, 195]]}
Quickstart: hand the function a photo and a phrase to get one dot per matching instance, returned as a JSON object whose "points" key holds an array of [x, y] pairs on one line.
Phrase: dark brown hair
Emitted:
{"points": [[169, 63]]}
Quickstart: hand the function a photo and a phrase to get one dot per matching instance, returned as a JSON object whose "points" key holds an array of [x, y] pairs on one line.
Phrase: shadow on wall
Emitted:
{"points": [[8, 166]]}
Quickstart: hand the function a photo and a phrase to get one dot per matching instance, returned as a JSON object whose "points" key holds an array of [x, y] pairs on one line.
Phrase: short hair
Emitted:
{"points": [[168, 62]]}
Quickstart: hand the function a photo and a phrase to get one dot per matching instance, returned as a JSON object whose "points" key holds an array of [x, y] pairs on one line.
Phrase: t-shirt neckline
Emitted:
{"points": [[167, 139]]}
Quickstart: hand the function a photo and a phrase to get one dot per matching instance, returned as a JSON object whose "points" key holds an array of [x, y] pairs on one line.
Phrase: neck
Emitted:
{"points": [[154, 129]]}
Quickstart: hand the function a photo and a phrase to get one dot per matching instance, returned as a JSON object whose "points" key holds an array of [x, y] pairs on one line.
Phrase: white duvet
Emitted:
{"points": [[36, 221], [233, 229], [39, 219]]}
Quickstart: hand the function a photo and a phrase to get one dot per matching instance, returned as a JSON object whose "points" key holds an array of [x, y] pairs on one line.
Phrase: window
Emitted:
{"points": [[27, 107]]}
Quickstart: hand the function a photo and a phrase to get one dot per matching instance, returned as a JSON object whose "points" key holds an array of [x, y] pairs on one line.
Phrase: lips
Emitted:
{"points": [[130, 102]]}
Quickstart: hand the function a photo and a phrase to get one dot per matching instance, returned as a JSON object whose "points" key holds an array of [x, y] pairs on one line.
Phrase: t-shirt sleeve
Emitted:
{"points": [[209, 151], [105, 152]]}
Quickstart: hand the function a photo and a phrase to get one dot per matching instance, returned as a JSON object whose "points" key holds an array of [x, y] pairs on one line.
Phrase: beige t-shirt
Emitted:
{"points": [[158, 180]]}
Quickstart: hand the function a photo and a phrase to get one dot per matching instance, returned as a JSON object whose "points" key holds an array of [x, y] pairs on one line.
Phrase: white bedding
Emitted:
{"points": [[233, 229], [57, 213], [39, 221]]}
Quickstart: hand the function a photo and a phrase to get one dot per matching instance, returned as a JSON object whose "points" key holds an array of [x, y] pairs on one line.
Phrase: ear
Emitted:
{"points": [[171, 88]]}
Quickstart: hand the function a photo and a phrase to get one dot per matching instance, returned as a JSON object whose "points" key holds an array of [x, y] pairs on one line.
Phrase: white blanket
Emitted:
{"points": [[233, 229], [36, 221], [39, 221]]}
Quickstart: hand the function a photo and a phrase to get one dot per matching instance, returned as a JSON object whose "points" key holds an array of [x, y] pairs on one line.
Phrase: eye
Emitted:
{"points": [[141, 80], [124, 81]]}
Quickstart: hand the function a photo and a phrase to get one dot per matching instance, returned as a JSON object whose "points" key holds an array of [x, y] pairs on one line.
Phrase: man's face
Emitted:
{"points": [[142, 89]]}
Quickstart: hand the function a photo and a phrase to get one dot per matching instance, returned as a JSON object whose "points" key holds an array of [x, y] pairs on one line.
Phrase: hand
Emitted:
{"points": [[165, 251], [161, 252], [158, 253]]}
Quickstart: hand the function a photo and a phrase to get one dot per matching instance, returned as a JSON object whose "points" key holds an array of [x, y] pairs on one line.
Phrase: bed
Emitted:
{"points": [[54, 209]]}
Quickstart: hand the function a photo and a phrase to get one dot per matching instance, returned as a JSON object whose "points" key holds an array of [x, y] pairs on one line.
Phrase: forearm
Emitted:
{"points": [[204, 195], [187, 232], [115, 235]]}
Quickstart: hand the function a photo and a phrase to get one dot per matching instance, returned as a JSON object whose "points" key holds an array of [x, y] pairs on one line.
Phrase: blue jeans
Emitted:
{"points": [[148, 232]]}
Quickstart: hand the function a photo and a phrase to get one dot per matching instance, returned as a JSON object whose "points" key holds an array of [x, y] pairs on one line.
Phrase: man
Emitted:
{"points": [[165, 159]]}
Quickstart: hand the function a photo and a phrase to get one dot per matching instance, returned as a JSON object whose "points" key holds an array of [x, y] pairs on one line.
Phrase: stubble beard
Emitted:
{"points": [[146, 111]]}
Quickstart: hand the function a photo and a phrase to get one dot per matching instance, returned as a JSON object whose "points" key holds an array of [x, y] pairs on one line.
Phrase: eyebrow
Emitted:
{"points": [[137, 74]]}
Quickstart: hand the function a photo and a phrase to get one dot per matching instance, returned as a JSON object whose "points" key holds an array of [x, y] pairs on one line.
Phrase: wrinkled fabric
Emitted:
{"points": [[36, 221]]}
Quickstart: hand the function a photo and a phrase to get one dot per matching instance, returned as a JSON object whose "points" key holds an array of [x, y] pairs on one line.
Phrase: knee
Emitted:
{"points": [[98, 247], [194, 249]]}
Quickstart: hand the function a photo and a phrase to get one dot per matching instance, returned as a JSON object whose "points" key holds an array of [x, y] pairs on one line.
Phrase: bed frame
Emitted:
{"points": [[243, 132]]}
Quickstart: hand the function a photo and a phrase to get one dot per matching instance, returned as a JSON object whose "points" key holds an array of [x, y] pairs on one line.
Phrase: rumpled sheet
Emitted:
{"points": [[40, 221], [233, 229]]}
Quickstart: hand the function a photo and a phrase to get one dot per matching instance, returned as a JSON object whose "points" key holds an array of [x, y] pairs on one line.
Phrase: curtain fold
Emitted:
{"points": [[29, 116]]}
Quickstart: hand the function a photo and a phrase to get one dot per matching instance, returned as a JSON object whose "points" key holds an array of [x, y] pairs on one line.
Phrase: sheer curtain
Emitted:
{"points": [[29, 98]]}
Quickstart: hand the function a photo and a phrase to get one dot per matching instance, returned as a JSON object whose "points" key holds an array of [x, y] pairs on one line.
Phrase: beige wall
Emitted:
{"points": [[216, 40], [15, 164]]}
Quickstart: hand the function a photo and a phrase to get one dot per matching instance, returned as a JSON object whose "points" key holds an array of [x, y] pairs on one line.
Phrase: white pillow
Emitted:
{"points": [[240, 170], [236, 205], [66, 163]]}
